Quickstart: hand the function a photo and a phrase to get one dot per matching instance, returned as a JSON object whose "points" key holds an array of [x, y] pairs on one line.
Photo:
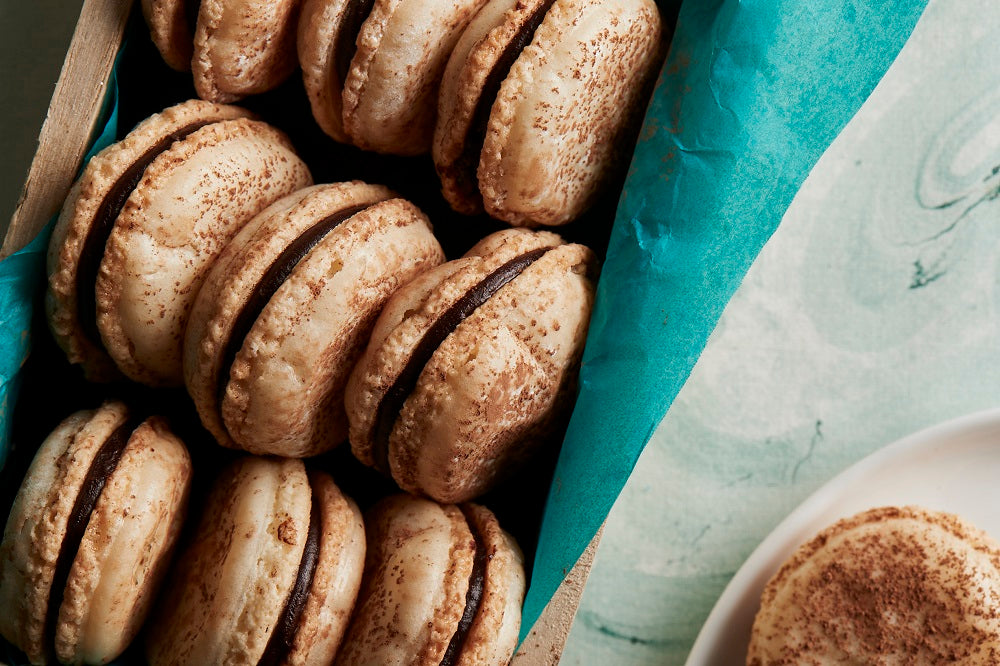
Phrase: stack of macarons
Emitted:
{"points": [[530, 106], [197, 251], [270, 575]]}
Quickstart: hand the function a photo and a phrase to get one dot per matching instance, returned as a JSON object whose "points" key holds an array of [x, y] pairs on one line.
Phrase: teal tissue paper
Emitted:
{"points": [[22, 277], [751, 95]]}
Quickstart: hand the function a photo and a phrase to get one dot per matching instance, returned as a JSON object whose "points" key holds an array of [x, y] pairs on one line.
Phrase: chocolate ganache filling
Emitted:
{"points": [[273, 278], [345, 43], [101, 468], [280, 642], [464, 168], [392, 402], [104, 220], [474, 596]]}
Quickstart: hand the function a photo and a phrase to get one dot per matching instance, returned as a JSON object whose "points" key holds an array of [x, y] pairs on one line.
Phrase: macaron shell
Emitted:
{"points": [[469, 67], [928, 578], [492, 638], [420, 558], [191, 201], [243, 47], [126, 547], [229, 588], [169, 29], [77, 217], [410, 313], [286, 390], [553, 133], [41, 511], [496, 383], [336, 580], [234, 277], [390, 96], [319, 26]]}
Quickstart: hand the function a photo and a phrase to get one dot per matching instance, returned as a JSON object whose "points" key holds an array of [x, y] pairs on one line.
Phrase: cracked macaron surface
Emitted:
{"points": [[372, 69], [286, 310], [537, 102], [472, 364], [269, 577], [90, 535], [443, 585]]}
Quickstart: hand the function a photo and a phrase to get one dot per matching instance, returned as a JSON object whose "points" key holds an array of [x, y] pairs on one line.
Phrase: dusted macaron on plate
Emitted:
{"points": [[287, 309], [90, 535], [142, 225]]}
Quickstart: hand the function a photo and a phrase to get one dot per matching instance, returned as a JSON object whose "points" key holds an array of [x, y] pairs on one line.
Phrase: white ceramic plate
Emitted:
{"points": [[950, 467]]}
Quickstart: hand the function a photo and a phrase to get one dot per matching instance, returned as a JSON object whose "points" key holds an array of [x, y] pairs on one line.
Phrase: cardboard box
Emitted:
{"points": [[67, 131]]}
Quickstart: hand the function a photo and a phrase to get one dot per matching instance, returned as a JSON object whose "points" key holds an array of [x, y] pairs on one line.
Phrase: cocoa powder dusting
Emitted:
{"points": [[905, 592]]}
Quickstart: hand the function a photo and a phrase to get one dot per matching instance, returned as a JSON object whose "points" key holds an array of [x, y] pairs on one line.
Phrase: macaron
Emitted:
{"points": [[891, 585], [143, 223], [90, 535], [286, 311], [269, 577], [443, 585], [234, 48], [472, 364], [243, 47], [538, 103], [171, 27], [372, 68]]}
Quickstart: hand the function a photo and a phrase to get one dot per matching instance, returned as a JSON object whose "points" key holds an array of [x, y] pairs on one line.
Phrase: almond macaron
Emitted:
{"points": [[90, 535], [891, 585], [142, 225], [372, 68], [171, 27], [269, 577], [537, 105], [287, 310], [443, 585], [233, 48], [471, 364], [243, 47]]}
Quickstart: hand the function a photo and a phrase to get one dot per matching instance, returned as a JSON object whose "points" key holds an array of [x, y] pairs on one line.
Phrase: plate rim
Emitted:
{"points": [[813, 504]]}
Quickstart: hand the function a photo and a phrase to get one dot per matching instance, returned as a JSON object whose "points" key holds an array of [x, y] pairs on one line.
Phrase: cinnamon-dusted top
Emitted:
{"points": [[893, 585]]}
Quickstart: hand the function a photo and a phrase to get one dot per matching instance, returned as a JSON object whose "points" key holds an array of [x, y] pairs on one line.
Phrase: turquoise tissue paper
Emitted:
{"points": [[22, 276], [751, 95]]}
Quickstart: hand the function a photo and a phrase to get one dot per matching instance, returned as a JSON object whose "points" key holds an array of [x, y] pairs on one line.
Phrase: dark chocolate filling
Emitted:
{"points": [[474, 597], [392, 402], [102, 467], [464, 168], [273, 278], [280, 642], [104, 220], [346, 42]]}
